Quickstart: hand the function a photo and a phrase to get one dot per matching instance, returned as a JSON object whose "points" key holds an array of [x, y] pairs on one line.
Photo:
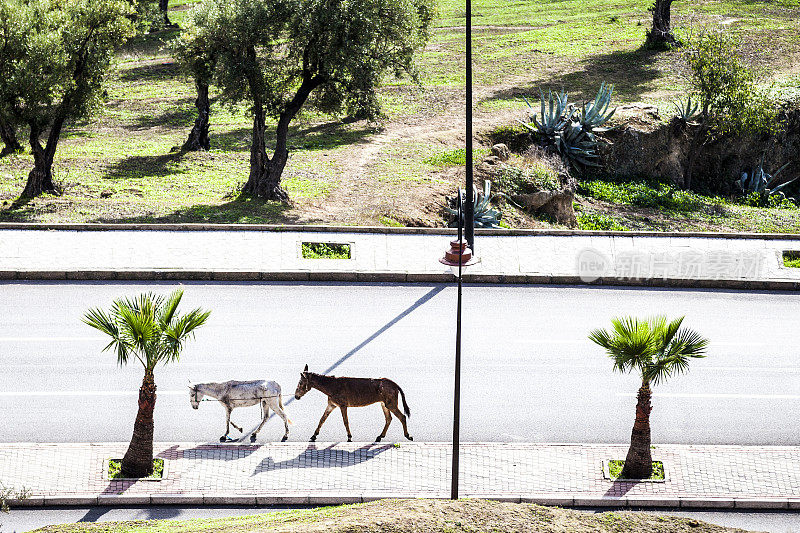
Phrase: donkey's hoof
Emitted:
{"points": [[313, 438], [349, 439], [378, 439], [409, 437], [285, 438], [253, 438]]}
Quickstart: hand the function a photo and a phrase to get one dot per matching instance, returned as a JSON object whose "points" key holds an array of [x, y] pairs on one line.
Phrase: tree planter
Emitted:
{"points": [[107, 476], [607, 474]]}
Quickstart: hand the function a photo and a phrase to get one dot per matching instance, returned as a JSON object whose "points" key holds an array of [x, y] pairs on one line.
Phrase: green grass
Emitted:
{"points": [[791, 259], [641, 194], [325, 250], [615, 469], [115, 465], [454, 158], [598, 221], [518, 48]]}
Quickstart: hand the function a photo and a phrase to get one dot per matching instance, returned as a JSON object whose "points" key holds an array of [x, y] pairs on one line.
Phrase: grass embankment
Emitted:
{"points": [[119, 166], [609, 205], [429, 516]]}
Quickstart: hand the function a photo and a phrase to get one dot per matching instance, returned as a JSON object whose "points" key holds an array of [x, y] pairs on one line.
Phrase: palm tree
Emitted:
{"points": [[656, 349], [146, 329]]}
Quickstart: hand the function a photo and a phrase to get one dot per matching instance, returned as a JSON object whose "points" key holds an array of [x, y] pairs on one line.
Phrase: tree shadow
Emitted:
{"points": [[142, 166], [182, 115], [151, 72], [241, 210], [312, 457], [301, 137], [630, 71], [149, 44]]}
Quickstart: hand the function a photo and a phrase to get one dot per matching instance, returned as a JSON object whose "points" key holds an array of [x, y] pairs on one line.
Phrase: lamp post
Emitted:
{"points": [[469, 211], [457, 258]]}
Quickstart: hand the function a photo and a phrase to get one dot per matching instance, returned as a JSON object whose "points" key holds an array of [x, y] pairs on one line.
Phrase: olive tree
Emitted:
{"points": [[660, 35], [277, 56], [197, 54], [14, 24], [56, 75]]}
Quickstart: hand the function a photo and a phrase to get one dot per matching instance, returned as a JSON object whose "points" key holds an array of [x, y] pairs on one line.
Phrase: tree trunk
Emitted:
{"points": [[694, 151], [660, 34], [138, 460], [40, 179], [639, 462], [9, 136], [265, 173], [198, 137], [163, 5]]}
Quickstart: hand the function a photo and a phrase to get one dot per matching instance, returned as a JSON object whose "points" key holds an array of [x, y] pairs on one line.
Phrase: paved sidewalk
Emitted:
{"points": [[325, 473], [185, 252]]}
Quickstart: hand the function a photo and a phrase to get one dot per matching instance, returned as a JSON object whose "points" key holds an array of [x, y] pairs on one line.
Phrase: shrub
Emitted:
{"points": [[537, 176], [727, 89]]}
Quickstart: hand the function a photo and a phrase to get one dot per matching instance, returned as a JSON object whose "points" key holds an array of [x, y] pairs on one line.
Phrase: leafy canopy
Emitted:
{"points": [[266, 50], [146, 328], [654, 347], [55, 54]]}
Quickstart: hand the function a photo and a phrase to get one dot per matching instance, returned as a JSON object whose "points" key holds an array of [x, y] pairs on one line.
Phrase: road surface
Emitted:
{"points": [[529, 372]]}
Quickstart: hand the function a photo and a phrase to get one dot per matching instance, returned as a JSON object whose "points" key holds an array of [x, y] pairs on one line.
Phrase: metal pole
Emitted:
{"points": [[457, 387], [469, 210]]}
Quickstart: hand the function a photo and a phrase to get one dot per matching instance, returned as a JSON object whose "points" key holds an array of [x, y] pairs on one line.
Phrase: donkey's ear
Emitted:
{"points": [[305, 369]]}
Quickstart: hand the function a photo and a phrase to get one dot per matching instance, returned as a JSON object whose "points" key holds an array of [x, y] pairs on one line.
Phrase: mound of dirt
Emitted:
{"points": [[428, 516]]}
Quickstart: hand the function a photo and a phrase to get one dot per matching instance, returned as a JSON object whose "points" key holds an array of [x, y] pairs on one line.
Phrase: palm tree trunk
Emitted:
{"points": [[138, 460], [639, 462]]}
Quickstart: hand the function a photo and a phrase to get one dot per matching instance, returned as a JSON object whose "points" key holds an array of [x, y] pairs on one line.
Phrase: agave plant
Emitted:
{"points": [[577, 146], [484, 216], [762, 182], [687, 111], [559, 112], [595, 114]]}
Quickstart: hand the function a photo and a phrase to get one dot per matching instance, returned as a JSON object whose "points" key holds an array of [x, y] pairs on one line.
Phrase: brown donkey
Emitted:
{"points": [[355, 392]]}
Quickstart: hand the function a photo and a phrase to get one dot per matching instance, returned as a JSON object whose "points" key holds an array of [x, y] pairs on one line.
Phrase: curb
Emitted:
{"points": [[381, 230], [322, 498], [388, 277]]}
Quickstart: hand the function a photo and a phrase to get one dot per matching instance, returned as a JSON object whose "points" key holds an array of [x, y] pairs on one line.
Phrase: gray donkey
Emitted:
{"points": [[232, 394]]}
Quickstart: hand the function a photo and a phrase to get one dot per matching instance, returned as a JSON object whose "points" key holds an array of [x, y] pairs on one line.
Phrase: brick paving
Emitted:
{"points": [[741, 476]]}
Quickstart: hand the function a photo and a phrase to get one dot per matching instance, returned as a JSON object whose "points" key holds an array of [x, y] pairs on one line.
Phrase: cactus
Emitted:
{"points": [[595, 114], [686, 111], [484, 216], [577, 146], [559, 112], [568, 132], [762, 182]]}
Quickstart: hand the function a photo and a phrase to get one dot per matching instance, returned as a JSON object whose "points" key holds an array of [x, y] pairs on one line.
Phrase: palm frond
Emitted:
{"points": [[146, 327], [167, 311], [104, 322], [180, 330], [629, 343]]}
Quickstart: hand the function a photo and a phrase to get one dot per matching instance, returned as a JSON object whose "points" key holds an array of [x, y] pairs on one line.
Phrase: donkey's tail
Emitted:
{"points": [[405, 405]]}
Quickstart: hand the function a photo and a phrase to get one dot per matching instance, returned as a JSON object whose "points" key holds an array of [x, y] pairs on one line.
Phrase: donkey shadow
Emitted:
{"points": [[313, 457]]}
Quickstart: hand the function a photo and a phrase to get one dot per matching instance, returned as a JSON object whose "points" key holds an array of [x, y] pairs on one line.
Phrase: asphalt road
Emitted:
{"points": [[529, 373], [20, 520]]}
